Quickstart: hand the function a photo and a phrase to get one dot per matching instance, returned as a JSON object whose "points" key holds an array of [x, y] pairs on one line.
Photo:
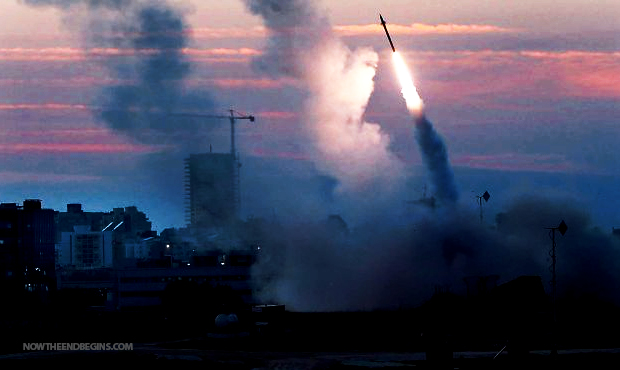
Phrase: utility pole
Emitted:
{"points": [[562, 229]]}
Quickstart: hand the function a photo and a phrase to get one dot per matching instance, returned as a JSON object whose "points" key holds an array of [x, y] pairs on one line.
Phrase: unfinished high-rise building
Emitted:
{"points": [[212, 188]]}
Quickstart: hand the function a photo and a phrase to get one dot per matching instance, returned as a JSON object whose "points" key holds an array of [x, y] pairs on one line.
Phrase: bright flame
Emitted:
{"points": [[412, 98]]}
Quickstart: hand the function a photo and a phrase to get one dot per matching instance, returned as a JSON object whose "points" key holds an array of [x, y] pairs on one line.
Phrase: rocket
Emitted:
{"points": [[386, 32]]}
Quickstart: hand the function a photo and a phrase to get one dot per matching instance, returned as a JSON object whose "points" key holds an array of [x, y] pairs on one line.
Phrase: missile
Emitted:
{"points": [[386, 32]]}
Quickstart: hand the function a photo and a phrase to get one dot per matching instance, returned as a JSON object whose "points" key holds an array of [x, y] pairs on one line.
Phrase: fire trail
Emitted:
{"points": [[432, 146]]}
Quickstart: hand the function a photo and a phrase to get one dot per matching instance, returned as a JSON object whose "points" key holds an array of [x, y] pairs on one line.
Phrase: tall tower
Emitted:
{"points": [[233, 170], [210, 189]]}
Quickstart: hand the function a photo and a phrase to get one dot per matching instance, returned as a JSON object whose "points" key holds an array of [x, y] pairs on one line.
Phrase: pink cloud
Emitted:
{"points": [[43, 106], [228, 33], [356, 30], [480, 77], [19, 148], [262, 152], [95, 133], [421, 29], [14, 177], [246, 83], [81, 81], [277, 115], [225, 83], [80, 54], [518, 162]]}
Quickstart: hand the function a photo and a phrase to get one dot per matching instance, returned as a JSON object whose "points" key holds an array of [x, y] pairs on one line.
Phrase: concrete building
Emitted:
{"points": [[127, 221], [75, 216], [122, 231], [130, 222], [212, 190], [86, 249]]}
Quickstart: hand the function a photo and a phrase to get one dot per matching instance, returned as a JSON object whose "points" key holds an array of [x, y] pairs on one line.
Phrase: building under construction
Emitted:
{"points": [[212, 190]]}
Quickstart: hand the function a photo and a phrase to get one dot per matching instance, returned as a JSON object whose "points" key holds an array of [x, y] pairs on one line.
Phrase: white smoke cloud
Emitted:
{"points": [[355, 151], [339, 81]]}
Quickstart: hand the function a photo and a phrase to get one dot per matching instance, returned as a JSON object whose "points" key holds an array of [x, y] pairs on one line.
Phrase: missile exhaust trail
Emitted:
{"points": [[387, 33]]}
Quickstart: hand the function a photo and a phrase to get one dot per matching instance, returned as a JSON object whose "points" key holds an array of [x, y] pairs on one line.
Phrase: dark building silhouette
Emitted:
{"points": [[108, 237], [211, 189], [128, 221], [75, 216], [27, 239], [479, 286]]}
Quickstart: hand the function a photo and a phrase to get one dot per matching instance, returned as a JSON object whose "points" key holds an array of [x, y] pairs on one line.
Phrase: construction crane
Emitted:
{"points": [[232, 116]]}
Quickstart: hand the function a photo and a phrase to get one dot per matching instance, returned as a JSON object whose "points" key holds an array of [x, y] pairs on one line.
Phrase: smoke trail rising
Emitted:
{"points": [[432, 146], [142, 110], [435, 157], [301, 44]]}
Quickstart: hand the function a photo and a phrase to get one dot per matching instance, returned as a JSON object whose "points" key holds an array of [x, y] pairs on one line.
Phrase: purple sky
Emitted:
{"points": [[526, 95]]}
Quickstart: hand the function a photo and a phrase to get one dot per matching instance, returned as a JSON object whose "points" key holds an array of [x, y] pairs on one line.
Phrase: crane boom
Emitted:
{"points": [[232, 117], [233, 151]]}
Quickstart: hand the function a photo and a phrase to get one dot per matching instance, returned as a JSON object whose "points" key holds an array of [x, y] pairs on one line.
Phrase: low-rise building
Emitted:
{"points": [[86, 249]]}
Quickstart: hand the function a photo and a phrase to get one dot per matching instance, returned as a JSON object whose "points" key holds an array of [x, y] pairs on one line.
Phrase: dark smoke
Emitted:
{"points": [[145, 110], [328, 185], [435, 157], [154, 74], [382, 266], [152, 70], [295, 28]]}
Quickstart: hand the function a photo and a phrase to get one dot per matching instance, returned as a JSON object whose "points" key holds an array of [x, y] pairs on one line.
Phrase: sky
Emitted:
{"points": [[525, 94]]}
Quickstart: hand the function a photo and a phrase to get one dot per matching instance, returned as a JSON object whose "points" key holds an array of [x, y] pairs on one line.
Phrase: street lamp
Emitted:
{"points": [[484, 196]]}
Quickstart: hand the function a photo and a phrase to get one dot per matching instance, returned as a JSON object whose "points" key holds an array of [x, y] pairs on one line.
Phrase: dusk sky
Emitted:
{"points": [[526, 95]]}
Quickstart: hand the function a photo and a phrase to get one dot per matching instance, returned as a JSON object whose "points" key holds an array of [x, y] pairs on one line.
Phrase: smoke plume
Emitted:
{"points": [[339, 81], [432, 147], [145, 110], [435, 157], [153, 70], [381, 266]]}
